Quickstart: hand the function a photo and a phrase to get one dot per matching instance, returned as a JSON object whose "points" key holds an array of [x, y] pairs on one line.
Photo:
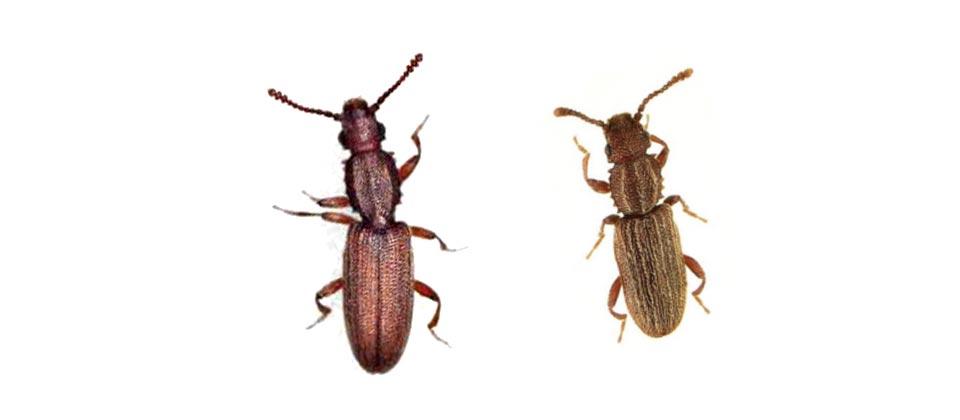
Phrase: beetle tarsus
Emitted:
{"points": [[298, 213], [439, 339], [674, 199], [319, 320]]}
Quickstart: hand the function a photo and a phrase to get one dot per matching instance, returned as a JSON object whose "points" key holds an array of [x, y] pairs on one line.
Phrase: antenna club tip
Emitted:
{"points": [[560, 112], [686, 73], [273, 93], [418, 58]]}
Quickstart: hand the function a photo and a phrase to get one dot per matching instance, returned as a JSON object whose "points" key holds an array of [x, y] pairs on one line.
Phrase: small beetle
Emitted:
{"points": [[646, 243], [377, 276]]}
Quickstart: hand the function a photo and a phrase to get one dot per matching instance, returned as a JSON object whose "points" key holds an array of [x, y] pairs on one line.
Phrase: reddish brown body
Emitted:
{"points": [[377, 280], [378, 293], [646, 243]]}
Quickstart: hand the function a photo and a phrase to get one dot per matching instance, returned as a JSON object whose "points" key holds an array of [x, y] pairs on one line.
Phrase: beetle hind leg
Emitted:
{"points": [[612, 301], [329, 289], [429, 293], [697, 270]]}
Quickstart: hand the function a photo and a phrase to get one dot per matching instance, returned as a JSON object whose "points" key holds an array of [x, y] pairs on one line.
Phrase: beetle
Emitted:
{"points": [[646, 241], [377, 279]]}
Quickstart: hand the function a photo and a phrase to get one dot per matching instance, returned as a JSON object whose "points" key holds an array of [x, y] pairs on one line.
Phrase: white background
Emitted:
{"points": [[144, 274]]}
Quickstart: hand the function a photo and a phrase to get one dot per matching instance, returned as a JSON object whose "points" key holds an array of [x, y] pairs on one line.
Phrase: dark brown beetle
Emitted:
{"points": [[646, 242], [377, 279]]}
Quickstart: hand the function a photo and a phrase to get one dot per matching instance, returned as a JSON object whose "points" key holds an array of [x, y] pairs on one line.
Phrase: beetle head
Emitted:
{"points": [[626, 138], [361, 130]]}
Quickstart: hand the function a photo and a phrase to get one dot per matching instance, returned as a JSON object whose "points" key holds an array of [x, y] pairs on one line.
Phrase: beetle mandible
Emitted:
{"points": [[377, 279], [646, 241]]}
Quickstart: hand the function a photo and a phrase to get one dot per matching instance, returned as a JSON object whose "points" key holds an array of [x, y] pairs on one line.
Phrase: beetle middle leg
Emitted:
{"points": [[329, 289], [673, 199], [612, 301], [429, 293], [697, 270], [337, 202], [609, 220], [428, 234], [411, 163], [602, 187]]}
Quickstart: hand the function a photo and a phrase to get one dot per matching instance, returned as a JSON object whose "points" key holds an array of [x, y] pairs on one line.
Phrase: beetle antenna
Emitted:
{"points": [[413, 64], [563, 112], [680, 76], [276, 94]]}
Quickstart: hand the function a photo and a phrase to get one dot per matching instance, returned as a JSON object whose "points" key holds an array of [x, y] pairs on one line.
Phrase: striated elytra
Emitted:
{"points": [[646, 241]]}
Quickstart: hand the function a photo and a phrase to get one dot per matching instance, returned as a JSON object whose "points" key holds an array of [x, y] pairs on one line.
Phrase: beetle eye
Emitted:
{"points": [[342, 137], [608, 150], [383, 131]]}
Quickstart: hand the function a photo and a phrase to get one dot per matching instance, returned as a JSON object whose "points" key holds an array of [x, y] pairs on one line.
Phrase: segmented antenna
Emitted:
{"points": [[563, 112], [680, 76], [413, 64], [276, 94]]}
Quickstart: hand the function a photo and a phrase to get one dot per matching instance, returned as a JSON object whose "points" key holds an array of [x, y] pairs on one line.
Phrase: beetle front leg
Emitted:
{"points": [[612, 301], [411, 163], [673, 199], [329, 289], [337, 202], [697, 270], [609, 220], [428, 234], [602, 187], [429, 293], [662, 156]]}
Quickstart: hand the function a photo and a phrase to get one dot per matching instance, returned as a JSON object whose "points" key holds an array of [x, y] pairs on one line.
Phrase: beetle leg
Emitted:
{"points": [[428, 293], [338, 202], [612, 301], [411, 163], [673, 199], [609, 220], [697, 270], [428, 234], [330, 216], [334, 217], [662, 156], [597, 185], [329, 289]]}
